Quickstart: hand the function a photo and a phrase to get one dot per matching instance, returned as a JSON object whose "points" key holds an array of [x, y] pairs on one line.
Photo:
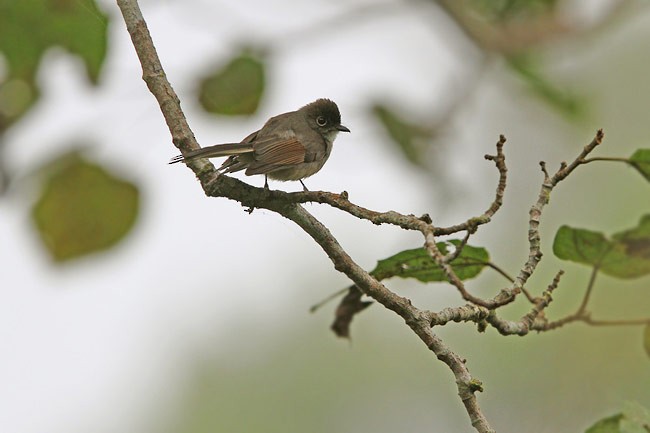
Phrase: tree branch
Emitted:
{"points": [[217, 185], [416, 319]]}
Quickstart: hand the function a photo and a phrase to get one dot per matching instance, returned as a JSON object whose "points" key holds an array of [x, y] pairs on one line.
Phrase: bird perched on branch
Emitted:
{"points": [[290, 146]]}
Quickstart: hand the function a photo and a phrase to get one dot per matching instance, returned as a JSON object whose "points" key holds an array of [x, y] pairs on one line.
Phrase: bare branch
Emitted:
{"points": [[154, 75], [533, 320], [458, 249], [481, 311], [284, 204], [592, 279], [534, 250], [466, 313], [508, 277], [586, 318], [472, 223], [410, 222], [416, 319]]}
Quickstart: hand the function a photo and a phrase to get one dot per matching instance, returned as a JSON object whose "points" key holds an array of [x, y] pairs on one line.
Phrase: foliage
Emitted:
{"points": [[235, 88], [625, 255], [417, 263], [641, 161], [634, 419], [28, 28], [82, 208]]}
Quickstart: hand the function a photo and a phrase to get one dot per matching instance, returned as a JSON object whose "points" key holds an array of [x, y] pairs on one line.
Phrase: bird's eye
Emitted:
{"points": [[321, 121]]}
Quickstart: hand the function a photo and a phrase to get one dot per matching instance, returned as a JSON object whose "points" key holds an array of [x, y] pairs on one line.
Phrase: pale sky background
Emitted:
{"points": [[110, 342]]}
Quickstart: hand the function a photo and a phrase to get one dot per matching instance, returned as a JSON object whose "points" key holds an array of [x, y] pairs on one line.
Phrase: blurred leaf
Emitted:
{"points": [[16, 97], [626, 255], [637, 239], [350, 305], [646, 339], [581, 246], [567, 104], [236, 88], [418, 264], [636, 418], [505, 9], [641, 161], [412, 139], [28, 28], [607, 425], [83, 208]]}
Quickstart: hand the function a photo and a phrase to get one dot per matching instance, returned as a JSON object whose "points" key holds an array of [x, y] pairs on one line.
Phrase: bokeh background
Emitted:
{"points": [[196, 319]]}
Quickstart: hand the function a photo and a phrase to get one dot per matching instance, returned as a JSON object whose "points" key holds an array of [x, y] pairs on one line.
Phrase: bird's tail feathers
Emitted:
{"points": [[215, 151]]}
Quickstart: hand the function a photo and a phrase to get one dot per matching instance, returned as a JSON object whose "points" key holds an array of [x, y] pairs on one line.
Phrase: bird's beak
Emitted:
{"points": [[342, 128]]}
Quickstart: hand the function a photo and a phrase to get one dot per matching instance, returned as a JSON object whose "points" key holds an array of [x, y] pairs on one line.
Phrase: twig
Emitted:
{"points": [[471, 225], [533, 320], [628, 322], [328, 298], [605, 158], [500, 271], [542, 302], [590, 286], [466, 313], [586, 318], [458, 249], [510, 278], [535, 214]]}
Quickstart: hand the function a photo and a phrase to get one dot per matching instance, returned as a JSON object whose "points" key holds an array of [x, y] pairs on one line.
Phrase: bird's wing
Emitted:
{"points": [[274, 152]]}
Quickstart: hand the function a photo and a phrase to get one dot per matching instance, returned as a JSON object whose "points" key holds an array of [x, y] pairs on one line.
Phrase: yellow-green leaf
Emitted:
{"points": [[636, 418], [633, 419], [83, 208], [641, 161], [580, 245], [30, 27], [611, 424], [625, 255], [235, 88]]}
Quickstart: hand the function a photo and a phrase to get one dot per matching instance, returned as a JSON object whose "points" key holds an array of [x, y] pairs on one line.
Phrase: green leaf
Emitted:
{"points": [[30, 27], [580, 245], [636, 418], [83, 208], [418, 264], [610, 424], [625, 255], [641, 161], [646, 339], [235, 88], [412, 139], [637, 240]]}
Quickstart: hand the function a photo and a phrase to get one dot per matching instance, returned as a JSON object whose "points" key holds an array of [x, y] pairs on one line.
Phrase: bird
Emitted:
{"points": [[290, 146]]}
